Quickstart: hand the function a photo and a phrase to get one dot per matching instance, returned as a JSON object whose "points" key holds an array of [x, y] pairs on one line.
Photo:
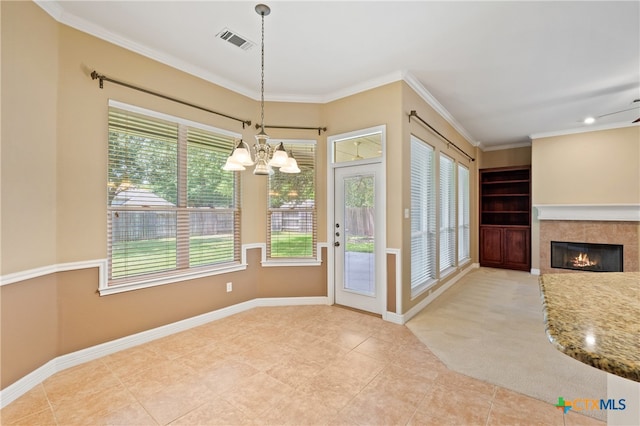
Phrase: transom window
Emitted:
{"points": [[360, 147], [171, 209]]}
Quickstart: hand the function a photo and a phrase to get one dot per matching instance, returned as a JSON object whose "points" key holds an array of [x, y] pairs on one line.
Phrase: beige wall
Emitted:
{"points": [[54, 153], [29, 327], [54, 167], [505, 158], [368, 109], [29, 127], [600, 167]]}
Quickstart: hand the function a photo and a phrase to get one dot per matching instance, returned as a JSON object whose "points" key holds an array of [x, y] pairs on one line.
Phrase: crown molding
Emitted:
{"points": [[55, 10], [363, 86], [419, 88], [584, 130], [505, 146]]}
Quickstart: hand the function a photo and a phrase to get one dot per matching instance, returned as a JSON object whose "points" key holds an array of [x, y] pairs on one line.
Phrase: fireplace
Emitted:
{"points": [[586, 256], [598, 224]]}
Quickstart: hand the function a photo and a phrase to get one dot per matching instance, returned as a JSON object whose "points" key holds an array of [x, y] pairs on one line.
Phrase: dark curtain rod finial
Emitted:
{"points": [[95, 75]]}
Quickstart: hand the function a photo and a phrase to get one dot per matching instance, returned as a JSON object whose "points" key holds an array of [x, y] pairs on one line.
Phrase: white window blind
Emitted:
{"points": [[423, 215], [292, 207], [463, 214], [170, 206], [447, 233]]}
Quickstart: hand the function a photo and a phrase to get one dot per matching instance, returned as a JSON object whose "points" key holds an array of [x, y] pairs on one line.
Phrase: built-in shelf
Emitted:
{"points": [[505, 218]]}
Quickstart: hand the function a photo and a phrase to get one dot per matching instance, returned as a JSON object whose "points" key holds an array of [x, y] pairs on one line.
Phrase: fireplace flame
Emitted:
{"points": [[582, 261]]}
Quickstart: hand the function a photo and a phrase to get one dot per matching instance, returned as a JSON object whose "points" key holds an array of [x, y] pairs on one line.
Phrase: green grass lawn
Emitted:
{"points": [[360, 244], [291, 244], [147, 256]]}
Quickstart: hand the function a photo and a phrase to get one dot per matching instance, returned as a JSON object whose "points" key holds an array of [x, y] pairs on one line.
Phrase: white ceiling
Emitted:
{"points": [[499, 71]]}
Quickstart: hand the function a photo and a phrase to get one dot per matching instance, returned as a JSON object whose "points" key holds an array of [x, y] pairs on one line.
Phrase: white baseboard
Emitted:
{"points": [[28, 382], [392, 317]]}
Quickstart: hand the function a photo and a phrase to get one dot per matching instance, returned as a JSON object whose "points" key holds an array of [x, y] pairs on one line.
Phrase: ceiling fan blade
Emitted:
{"points": [[622, 110], [637, 120]]}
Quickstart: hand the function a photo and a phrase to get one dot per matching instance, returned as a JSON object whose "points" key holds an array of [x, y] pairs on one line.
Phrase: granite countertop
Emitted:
{"points": [[594, 317]]}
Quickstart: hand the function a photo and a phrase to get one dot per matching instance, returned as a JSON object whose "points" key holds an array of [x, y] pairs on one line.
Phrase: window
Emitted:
{"points": [[423, 216], [362, 146], [171, 209], [463, 214], [447, 213], [292, 206]]}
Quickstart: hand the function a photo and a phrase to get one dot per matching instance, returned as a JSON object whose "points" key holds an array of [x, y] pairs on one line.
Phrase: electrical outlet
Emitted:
{"points": [[229, 287]]}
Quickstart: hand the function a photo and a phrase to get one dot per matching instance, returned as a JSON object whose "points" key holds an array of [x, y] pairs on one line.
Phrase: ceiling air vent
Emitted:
{"points": [[235, 39]]}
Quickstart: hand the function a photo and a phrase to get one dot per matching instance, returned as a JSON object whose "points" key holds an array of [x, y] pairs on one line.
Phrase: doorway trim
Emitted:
{"points": [[332, 165]]}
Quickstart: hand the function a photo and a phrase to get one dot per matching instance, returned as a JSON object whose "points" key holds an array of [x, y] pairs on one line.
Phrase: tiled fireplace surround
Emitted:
{"points": [[590, 224]]}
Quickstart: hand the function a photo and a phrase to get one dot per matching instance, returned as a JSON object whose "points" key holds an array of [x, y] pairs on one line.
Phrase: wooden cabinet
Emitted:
{"points": [[505, 247], [505, 218]]}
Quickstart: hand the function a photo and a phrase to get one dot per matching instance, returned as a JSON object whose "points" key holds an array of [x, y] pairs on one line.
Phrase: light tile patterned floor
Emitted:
{"points": [[306, 365]]}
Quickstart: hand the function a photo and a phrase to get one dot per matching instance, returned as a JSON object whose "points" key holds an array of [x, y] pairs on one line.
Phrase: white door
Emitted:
{"points": [[359, 237]]}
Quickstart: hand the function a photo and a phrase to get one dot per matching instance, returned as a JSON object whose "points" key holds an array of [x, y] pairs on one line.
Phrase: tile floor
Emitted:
{"points": [[304, 365]]}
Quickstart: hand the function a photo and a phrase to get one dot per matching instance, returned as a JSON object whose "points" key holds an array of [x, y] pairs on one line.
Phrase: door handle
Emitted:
{"points": [[337, 244]]}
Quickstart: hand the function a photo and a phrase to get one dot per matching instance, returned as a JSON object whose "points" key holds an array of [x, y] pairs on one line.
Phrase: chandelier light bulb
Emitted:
{"points": [[291, 166], [280, 157], [232, 165], [241, 154]]}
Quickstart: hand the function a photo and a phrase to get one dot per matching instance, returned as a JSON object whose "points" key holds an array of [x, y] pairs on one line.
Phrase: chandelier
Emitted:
{"points": [[265, 157]]}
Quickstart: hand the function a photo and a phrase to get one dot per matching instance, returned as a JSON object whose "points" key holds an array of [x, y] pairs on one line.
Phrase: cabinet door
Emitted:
{"points": [[491, 246], [517, 250]]}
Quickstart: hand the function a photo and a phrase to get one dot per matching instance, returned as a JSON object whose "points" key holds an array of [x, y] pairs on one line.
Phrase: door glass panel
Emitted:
{"points": [[358, 148], [359, 219]]}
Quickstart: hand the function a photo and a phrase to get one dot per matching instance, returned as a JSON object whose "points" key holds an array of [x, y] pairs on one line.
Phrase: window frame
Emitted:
{"points": [[111, 286], [447, 209], [314, 258], [464, 214], [428, 216]]}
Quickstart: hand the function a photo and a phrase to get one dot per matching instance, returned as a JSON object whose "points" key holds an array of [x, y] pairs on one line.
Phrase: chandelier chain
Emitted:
{"points": [[266, 157], [262, 77]]}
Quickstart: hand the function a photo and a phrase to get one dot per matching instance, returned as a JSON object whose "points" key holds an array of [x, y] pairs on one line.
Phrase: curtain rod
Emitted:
{"points": [[319, 129], [103, 78], [414, 114]]}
